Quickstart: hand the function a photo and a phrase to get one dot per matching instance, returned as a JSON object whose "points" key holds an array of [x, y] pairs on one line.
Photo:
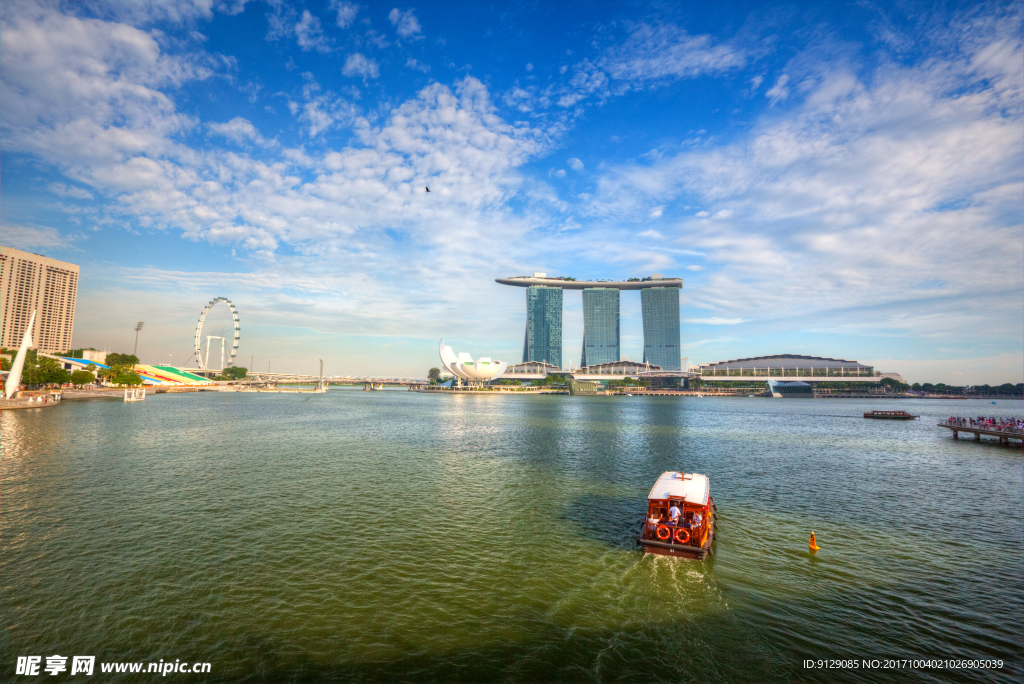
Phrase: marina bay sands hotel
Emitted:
{"points": [[659, 300]]}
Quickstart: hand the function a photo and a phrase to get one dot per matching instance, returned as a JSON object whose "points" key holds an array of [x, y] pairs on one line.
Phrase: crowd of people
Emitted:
{"points": [[983, 423]]}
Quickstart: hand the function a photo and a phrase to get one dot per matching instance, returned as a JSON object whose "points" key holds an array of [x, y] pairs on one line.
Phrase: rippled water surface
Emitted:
{"points": [[406, 537]]}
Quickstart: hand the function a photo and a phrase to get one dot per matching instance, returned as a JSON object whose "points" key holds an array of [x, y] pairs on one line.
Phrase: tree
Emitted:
{"points": [[116, 359], [696, 383], [5, 363], [434, 375], [127, 377], [895, 384], [81, 377], [233, 373]]}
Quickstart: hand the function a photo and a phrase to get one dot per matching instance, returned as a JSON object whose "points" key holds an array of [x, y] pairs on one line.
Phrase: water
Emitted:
{"points": [[369, 536]]}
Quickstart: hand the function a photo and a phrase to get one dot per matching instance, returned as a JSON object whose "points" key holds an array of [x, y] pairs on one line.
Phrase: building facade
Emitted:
{"points": [[600, 326], [543, 340], [660, 306], [31, 282], [601, 337], [791, 368]]}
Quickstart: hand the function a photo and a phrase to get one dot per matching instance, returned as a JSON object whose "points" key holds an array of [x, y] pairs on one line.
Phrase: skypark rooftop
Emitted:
{"points": [[570, 284]]}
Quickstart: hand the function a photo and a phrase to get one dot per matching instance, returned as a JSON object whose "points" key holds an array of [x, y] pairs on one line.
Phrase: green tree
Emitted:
{"points": [[696, 383], [116, 359], [5, 363], [233, 373], [434, 375], [127, 377], [81, 377], [895, 384]]}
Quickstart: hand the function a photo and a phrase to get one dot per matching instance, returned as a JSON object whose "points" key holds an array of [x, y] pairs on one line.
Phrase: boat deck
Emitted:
{"points": [[681, 550]]}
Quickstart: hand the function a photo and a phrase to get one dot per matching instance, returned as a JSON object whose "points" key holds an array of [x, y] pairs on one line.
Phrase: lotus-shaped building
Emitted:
{"points": [[463, 366]]}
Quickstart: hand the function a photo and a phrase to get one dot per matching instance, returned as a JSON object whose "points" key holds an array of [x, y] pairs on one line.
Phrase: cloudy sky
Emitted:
{"points": [[833, 179]]}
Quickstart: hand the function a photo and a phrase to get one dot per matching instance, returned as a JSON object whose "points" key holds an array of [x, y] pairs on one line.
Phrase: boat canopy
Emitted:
{"points": [[691, 487]]}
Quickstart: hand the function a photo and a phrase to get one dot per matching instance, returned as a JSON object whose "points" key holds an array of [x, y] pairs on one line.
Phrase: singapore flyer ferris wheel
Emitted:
{"points": [[219, 322]]}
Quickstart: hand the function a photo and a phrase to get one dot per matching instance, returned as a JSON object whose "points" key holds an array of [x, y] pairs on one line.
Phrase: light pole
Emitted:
{"points": [[137, 329]]}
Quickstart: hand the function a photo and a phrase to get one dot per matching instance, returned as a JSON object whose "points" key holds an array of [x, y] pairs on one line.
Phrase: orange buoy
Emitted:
{"points": [[813, 545], [663, 529]]}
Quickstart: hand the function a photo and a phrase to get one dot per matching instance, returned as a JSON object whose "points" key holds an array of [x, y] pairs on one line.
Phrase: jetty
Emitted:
{"points": [[27, 400], [1004, 432]]}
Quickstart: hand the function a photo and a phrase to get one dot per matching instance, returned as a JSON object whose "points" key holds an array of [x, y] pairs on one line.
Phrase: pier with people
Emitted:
{"points": [[1003, 428]]}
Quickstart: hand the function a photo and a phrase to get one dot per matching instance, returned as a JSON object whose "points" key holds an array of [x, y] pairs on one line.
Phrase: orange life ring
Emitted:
{"points": [[682, 535], [663, 528]]}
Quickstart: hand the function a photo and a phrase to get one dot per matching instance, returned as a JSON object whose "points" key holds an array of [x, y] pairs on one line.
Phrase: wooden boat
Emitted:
{"points": [[890, 415], [692, 538]]}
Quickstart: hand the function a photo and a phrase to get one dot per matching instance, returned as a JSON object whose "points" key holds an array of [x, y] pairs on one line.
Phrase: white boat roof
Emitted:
{"points": [[691, 487]]}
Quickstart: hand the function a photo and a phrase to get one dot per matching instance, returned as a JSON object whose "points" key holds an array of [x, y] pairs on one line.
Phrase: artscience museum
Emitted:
{"points": [[463, 366]]}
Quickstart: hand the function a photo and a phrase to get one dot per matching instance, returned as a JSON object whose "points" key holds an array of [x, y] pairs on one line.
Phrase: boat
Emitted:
{"points": [[890, 415], [691, 493]]}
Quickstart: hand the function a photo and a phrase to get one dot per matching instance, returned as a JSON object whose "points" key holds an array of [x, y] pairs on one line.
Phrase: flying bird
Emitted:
{"points": [[428, 189]]}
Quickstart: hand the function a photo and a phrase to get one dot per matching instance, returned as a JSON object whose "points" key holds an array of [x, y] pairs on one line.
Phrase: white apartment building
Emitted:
{"points": [[33, 282]]}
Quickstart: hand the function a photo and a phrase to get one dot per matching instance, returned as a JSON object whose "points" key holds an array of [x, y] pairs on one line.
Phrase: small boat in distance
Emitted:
{"points": [[692, 534], [890, 415]]}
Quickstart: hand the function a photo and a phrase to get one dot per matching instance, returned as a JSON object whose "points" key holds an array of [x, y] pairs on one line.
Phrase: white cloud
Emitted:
{"points": [[239, 130], [357, 65], [779, 91], [575, 164], [32, 237], [414, 64], [309, 34], [912, 170], [406, 24], [651, 234], [81, 95], [346, 12], [656, 212], [715, 321], [322, 110], [69, 191], [649, 56]]}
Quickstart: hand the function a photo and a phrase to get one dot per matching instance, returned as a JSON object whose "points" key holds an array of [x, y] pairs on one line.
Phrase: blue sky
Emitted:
{"points": [[833, 179]]}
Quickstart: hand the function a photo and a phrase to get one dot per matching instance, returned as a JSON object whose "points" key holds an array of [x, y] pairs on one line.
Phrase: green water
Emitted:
{"points": [[396, 536]]}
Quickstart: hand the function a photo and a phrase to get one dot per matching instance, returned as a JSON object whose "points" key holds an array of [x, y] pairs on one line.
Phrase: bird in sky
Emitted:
{"points": [[428, 189]]}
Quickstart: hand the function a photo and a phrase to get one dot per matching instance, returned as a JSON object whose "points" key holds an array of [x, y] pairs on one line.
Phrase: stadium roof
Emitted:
{"points": [[786, 361]]}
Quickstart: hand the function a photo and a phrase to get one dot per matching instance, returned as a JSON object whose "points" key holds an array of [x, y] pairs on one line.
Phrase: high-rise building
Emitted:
{"points": [[33, 282], [600, 325], [659, 298], [660, 306], [543, 325]]}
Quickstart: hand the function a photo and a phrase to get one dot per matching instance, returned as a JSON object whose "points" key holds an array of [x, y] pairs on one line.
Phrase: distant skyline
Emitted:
{"points": [[830, 179]]}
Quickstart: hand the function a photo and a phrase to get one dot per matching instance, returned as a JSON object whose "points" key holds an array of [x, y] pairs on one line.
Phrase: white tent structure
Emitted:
{"points": [[463, 366]]}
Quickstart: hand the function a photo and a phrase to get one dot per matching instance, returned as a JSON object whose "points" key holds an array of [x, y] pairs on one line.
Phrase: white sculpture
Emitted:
{"points": [[14, 377], [463, 365]]}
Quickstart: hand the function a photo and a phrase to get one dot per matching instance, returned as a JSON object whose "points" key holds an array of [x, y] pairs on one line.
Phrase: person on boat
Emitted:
{"points": [[697, 520], [674, 513], [653, 521]]}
